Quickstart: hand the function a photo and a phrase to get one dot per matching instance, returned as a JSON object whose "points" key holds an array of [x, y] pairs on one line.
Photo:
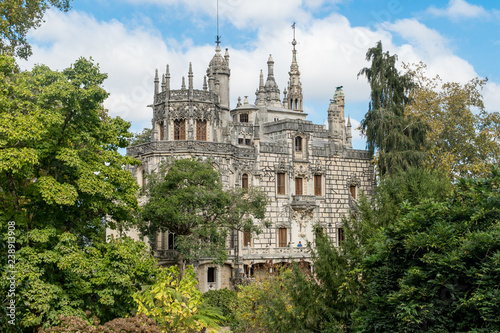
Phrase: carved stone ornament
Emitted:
{"points": [[303, 217]]}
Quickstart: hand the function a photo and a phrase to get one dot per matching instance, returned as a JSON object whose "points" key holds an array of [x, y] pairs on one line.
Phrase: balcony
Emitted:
{"points": [[303, 201], [275, 253]]}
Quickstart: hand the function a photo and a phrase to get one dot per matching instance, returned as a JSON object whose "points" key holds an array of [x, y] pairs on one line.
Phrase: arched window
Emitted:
{"points": [[298, 143], [179, 130], [244, 181]]}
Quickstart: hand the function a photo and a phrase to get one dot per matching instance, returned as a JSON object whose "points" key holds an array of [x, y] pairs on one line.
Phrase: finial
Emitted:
{"points": [[239, 101], [294, 42], [218, 37], [205, 82], [167, 78], [190, 76], [246, 100], [183, 86]]}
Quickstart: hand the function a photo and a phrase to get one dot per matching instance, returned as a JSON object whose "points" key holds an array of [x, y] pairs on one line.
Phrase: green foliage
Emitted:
{"points": [[57, 277], [263, 306], [463, 140], [397, 137], [176, 304], [59, 160], [436, 268], [17, 17], [142, 137], [187, 198], [136, 324], [223, 299]]}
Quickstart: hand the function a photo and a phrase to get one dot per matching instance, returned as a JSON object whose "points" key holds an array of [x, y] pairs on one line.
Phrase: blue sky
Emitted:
{"points": [[129, 39]]}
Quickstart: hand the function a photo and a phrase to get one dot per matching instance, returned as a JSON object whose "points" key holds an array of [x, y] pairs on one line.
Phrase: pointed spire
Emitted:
{"points": [[183, 86], [261, 81], [167, 78], [190, 77], [157, 81], [163, 83], [295, 97], [205, 82]]}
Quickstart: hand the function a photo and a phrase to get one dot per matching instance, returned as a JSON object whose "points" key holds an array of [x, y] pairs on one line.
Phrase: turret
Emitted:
{"points": [[218, 73], [271, 87]]}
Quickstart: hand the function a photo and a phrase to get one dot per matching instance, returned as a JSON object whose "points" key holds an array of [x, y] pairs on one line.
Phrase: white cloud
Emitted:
{"points": [[458, 9], [330, 53]]}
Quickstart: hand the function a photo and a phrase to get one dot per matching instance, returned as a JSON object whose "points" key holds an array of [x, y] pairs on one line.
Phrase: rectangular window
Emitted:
{"points": [[298, 186], [240, 141], [298, 143], [247, 237], [352, 189], [340, 235], [179, 130], [244, 118], [317, 185], [247, 142], [171, 241], [282, 237], [162, 130], [280, 177], [201, 130], [211, 274]]}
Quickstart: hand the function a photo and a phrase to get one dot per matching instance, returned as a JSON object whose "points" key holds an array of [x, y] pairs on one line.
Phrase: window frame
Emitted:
{"points": [[245, 181], [298, 144], [244, 118], [179, 129], [318, 185], [201, 130], [281, 183], [282, 237], [299, 186]]}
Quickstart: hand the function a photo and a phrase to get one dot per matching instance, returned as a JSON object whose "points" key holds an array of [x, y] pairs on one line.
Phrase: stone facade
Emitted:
{"points": [[310, 173]]}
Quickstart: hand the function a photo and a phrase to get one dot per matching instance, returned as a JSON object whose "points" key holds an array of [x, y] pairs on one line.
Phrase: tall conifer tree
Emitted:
{"points": [[393, 135]]}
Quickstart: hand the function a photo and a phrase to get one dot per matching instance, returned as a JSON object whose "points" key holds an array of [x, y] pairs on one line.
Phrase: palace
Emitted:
{"points": [[310, 172]]}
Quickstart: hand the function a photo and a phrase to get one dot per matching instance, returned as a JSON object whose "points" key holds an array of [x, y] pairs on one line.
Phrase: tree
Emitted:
{"points": [[395, 136], [59, 160], [263, 305], [186, 197], [463, 137], [17, 17], [329, 299], [176, 304], [142, 137], [54, 276], [436, 268]]}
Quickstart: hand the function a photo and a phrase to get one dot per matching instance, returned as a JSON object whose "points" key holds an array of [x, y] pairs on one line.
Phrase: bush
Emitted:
{"points": [[223, 299], [137, 324]]}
